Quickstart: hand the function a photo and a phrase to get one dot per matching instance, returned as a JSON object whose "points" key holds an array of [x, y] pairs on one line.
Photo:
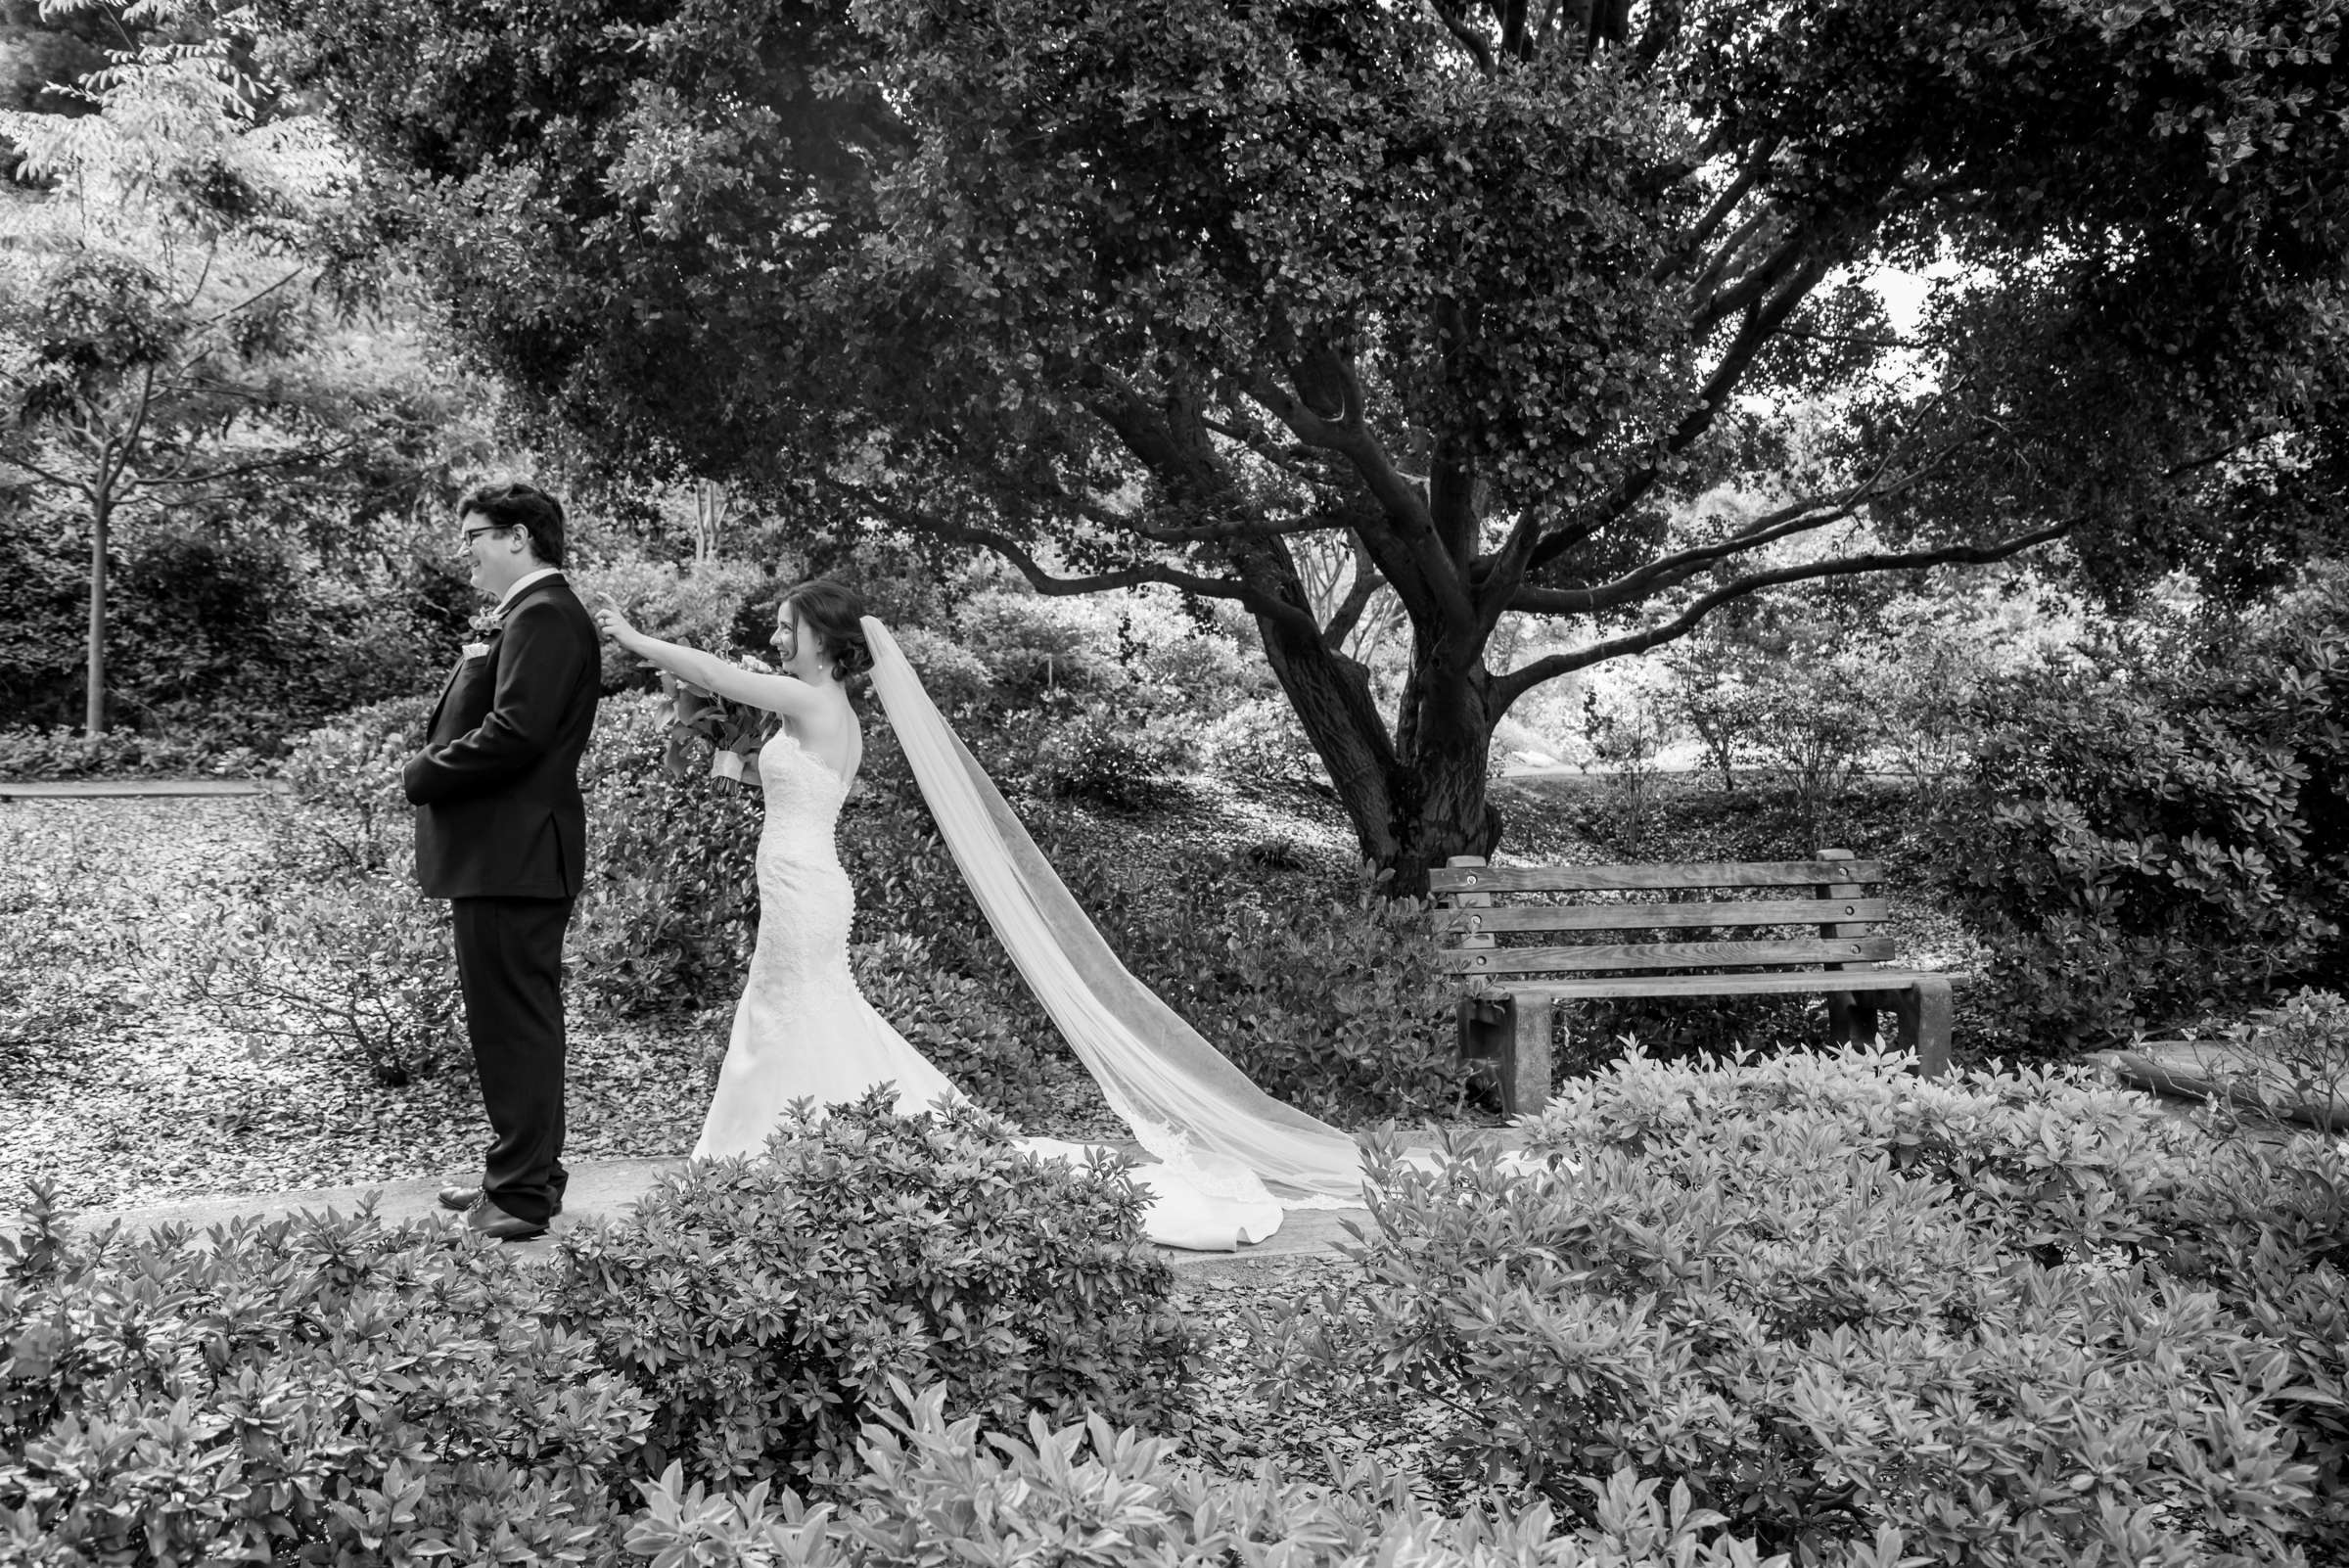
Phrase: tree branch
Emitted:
{"points": [[1470, 39], [1043, 582], [1729, 299], [1359, 594], [1517, 682], [1723, 204]]}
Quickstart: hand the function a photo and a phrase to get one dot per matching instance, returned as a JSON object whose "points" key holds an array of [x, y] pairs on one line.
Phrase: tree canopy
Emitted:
{"points": [[1499, 295]]}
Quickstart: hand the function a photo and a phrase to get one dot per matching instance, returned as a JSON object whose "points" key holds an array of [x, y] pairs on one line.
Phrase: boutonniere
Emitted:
{"points": [[486, 623], [735, 732]]}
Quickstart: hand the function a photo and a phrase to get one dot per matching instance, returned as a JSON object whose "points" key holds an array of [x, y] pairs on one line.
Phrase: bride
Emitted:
{"points": [[1229, 1157]]}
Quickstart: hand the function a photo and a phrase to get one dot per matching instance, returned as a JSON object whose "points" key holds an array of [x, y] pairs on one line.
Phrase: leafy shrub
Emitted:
{"points": [[697, 608], [1120, 759], [764, 1305], [343, 812], [1838, 1304], [989, 1053], [323, 1390], [2166, 834], [61, 752], [2292, 1062], [1259, 742], [1334, 1003], [366, 966], [1035, 647], [935, 1493], [671, 908], [2266, 1228], [329, 940], [951, 674]]}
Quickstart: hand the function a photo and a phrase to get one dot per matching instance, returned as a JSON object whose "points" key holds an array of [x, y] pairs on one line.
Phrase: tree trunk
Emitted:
{"points": [[93, 721], [1414, 807]]}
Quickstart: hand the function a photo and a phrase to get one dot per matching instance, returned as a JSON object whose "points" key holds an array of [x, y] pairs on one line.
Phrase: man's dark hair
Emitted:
{"points": [[515, 505]]}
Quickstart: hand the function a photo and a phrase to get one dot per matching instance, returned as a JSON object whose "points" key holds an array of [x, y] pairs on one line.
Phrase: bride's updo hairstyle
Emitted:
{"points": [[835, 613]]}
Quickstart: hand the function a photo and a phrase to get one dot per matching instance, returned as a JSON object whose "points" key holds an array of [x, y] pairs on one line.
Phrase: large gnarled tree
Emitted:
{"points": [[1141, 291]]}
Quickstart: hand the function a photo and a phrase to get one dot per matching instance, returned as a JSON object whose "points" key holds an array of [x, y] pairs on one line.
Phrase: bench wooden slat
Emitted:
{"points": [[1648, 916], [1667, 956], [1687, 874], [1757, 985]]}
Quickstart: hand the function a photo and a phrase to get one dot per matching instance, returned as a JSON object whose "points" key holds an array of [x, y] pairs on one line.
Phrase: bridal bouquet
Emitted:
{"points": [[734, 730]]}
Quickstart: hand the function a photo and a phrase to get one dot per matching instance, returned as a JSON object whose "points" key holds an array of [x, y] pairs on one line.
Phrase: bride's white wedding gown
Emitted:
{"points": [[804, 1031]]}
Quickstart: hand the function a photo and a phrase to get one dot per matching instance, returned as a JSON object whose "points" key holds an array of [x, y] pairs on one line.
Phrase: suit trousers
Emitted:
{"points": [[510, 970]]}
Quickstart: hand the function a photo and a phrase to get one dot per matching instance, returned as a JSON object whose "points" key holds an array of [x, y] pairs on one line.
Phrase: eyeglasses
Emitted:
{"points": [[466, 543]]}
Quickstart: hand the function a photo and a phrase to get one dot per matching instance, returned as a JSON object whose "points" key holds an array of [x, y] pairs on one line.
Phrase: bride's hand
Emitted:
{"points": [[610, 622]]}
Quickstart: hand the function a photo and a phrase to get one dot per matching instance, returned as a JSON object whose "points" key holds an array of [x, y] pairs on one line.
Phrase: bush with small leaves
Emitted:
{"points": [[367, 967], [1333, 1002], [1122, 757], [2165, 835], [326, 1391], [60, 753], [343, 812], [698, 607], [1259, 744], [328, 939], [1835, 1301], [762, 1306], [669, 912], [991, 1054]]}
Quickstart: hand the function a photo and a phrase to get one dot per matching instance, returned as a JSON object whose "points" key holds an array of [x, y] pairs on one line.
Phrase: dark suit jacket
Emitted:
{"points": [[497, 787]]}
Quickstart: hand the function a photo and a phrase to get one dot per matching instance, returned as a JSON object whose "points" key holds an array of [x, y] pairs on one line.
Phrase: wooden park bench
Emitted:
{"points": [[1695, 930]]}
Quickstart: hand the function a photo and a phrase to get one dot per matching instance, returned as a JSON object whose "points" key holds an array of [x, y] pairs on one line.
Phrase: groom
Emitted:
{"points": [[501, 833]]}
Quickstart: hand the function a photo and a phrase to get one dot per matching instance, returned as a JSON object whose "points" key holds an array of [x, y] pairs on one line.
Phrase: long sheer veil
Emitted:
{"points": [[1183, 1099]]}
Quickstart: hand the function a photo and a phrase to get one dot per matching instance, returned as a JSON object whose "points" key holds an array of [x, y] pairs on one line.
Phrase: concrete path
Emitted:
{"points": [[603, 1189], [85, 789]]}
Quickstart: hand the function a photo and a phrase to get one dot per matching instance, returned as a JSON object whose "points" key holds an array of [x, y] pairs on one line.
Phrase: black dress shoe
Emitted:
{"points": [[486, 1219], [463, 1198]]}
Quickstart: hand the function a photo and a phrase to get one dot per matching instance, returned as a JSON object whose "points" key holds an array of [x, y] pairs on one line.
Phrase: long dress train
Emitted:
{"points": [[804, 1030]]}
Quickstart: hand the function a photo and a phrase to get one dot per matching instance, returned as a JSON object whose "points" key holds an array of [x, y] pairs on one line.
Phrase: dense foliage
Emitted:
{"points": [[171, 365], [328, 1388], [2018, 1318], [2167, 831], [354, 1393], [1115, 1498], [765, 1306], [1484, 302]]}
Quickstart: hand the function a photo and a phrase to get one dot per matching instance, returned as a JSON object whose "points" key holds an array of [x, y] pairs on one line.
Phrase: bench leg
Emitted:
{"points": [[1924, 1024], [1852, 1017], [1513, 1034], [1525, 1072]]}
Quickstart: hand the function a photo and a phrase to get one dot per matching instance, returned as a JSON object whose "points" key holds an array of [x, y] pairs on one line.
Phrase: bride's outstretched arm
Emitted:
{"points": [[777, 694]]}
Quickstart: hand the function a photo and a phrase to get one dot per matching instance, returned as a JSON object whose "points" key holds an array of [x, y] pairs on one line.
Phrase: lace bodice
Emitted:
{"points": [[803, 798]]}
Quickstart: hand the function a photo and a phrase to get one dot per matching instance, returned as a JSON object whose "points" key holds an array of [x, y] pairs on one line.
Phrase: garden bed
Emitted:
{"points": [[121, 1092]]}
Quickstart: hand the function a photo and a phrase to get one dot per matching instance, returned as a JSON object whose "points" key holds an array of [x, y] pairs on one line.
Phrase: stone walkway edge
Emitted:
{"points": [[607, 1188]]}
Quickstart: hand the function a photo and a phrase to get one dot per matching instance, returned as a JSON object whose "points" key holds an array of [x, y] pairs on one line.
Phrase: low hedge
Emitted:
{"points": [[2013, 1320], [329, 1391], [29, 754], [763, 1307], [333, 1390]]}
